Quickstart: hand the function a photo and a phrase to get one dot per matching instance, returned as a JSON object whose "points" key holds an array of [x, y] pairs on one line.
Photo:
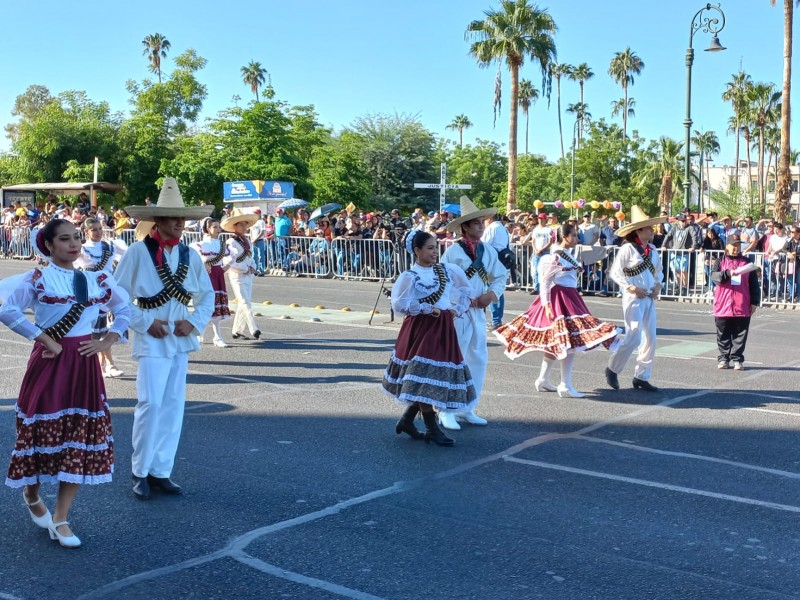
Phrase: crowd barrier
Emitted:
{"points": [[686, 272]]}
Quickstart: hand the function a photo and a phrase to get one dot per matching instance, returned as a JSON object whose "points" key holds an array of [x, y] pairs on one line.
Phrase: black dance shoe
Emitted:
{"points": [[165, 484], [613, 381], [641, 384]]}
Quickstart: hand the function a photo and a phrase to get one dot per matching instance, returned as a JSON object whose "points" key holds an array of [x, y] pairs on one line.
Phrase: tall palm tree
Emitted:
{"points": [[581, 112], [667, 167], [764, 107], [155, 48], [706, 144], [736, 93], [747, 129], [460, 123], [623, 67], [581, 74], [618, 106], [528, 95], [511, 34], [772, 145], [255, 76], [557, 72], [783, 185]]}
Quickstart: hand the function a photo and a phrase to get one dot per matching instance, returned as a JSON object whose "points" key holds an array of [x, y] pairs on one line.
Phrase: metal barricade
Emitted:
{"points": [[779, 283], [128, 236], [684, 275], [306, 257], [364, 259], [16, 243]]}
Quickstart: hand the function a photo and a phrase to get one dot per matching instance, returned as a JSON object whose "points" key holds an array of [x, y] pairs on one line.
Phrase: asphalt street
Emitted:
{"points": [[297, 486]]}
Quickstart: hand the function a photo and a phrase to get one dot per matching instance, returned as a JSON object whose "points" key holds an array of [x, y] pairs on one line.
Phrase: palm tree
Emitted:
{"points": [[666, 166], [764, 108], [515, 32], [581, 112], [772, 144], [255, 76], [528, 95], [623, 67], [581, 74], [618, 106], [706, 144], [736, 93], [460, 123], [783, 185], [747, 129], [559, 71], [155, 48]]}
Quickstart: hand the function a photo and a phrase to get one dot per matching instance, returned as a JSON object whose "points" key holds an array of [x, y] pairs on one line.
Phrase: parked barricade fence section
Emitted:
{"points": [[16, 243], [365, 259]]}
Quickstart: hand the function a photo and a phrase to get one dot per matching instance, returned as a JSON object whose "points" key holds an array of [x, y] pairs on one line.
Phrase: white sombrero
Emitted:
{"points": [[468, 212], [170, 204], [237, 216], [639, 220]]}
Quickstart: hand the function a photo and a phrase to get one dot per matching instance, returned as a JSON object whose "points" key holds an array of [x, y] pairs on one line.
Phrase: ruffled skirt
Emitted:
{"points": [[573, 329], [427, 366], [221, 310], [63, 422]]}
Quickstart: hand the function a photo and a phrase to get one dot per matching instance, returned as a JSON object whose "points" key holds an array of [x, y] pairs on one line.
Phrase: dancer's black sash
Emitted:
{"points": [[441, 275], [568, 257], [69, 320], [104, 258], [477, 262], [246, 249], [173, 284], [220, 255], [640, 268]]}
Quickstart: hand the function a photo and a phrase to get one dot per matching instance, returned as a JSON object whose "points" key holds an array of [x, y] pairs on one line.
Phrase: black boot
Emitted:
{"points": [[406, 422], [434, 434]]}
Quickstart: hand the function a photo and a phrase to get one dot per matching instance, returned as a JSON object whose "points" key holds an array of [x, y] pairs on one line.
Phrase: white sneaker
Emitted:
{"points": [[201, 340], [471, 418], [738, 366], [567, 391], [220, 343], [448, 420], [113, 371], [544, 386]]}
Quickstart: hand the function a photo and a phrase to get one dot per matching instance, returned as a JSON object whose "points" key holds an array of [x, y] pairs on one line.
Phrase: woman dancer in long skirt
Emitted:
{"points": [[213, 251]]}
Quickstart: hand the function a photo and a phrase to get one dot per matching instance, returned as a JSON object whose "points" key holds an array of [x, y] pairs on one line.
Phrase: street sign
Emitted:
{"points": [[443, 186]]}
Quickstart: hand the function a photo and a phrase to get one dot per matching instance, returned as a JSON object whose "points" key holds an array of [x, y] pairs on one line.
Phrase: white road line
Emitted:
{"points": [[767, 410], [656, 484], [327, 586]]}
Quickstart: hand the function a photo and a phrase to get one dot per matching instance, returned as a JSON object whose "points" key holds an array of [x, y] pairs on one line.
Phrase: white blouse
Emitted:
{"points": [[92, 252], [418, 282], [235, 250], [49, 293], [209, 248], [557, 270]]}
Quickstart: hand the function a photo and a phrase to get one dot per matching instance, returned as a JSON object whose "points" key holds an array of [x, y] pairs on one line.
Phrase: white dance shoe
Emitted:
{"points": [[220, 343], [113, 371], [45, 520], [471, 418], [67, 541], [567, 391], [448, 420], [543, 385]]}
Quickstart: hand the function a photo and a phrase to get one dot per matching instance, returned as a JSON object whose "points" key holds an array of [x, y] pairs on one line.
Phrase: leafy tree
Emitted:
{"points": [[306, 132], [581, 73], [736, 93], [155, 48], [460, 123], [510, 35], [338, 174], [255, 76], [528, 95], [557, 71], [581, 112], [482, 165], [143, 144], [764, 108], [623, 67], [541, 180], [706, 144], [666, 166], [627, 105], [27, 107], [195, 165]]}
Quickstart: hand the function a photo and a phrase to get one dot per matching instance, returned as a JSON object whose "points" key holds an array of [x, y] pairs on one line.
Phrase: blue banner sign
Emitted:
{"points": [[278, 190], [242, 190]]}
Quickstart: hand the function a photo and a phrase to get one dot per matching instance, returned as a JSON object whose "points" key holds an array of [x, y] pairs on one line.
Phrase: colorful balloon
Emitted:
{"points": [[538, 203], [558, 204], [616, 205], [567, 204], [581, 202], [620, 215], [594, 204], [606, 204]]}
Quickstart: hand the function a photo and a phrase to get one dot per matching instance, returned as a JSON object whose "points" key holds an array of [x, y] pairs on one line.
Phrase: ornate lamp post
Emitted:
{"points": [[712, 25]]}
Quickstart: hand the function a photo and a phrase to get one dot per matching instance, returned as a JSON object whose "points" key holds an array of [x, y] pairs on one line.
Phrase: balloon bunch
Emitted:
{"points": [[580, 203]]}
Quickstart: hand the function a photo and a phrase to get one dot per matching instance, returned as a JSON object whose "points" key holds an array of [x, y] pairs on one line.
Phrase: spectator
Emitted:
{"points": [[283, 229], [256, 234], [541, 241], [748, 235], [496, 236], [775, 257], [318, 251], [712, 247], [679, 243], [591, 232], [792, 264]]}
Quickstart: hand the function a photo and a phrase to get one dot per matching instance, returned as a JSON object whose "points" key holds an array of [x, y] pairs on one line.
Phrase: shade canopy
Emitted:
{"points": [[292, 203], [325, 209]]}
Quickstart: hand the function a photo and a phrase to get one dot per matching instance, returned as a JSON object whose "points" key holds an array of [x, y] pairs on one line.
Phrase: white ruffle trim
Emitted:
{"points": [[57, 449], [61, 476], [426, 380], [427, 361], [59, 414]]}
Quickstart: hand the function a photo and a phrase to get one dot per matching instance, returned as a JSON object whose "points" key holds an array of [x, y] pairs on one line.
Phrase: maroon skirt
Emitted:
{"points": [[573, 328], [63, 421], [427, 366], [221, 310]]}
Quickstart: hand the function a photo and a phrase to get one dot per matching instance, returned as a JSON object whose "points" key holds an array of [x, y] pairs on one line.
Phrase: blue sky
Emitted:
{"points": [[352, 57]]}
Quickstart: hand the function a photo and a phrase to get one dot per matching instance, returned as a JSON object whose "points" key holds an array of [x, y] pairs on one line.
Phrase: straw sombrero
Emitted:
{"points": [[237, 216], [468, 212], [639, 220], [170, 204]]}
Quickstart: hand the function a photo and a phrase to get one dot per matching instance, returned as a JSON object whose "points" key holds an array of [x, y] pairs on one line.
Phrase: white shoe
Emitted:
{"points": [[738, 366], [201, 339], [544, 386], [113, 371], [220, 343], [448, 420], [471, 418], [67, 541], [45, 520], [567, 391]]}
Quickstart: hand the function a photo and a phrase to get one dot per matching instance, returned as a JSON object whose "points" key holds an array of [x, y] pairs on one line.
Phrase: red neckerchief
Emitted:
{"points": [[471, 246], [244, 242], [644, 251], [161, 244]]}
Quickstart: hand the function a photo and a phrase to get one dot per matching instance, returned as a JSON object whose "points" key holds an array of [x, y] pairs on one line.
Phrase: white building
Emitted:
{"points": [[720, 178]]}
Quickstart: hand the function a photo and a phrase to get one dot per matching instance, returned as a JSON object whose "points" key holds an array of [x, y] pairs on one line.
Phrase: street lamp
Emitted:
{"points": [[713, 26]]}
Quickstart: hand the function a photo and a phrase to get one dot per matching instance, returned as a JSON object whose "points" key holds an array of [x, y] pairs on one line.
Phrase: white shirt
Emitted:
{"points": [[257, 230], [628, 257], [209, 248], [496, 236], [235, 250], [542, 235], [591, 233], [92, 252], [49, 293], [497, 273], [556, 270], [137, 274], [418, 282]]}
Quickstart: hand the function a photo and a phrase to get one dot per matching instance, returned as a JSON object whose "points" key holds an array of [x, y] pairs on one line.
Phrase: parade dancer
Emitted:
{"points": [[99, 255], [638, 273], [487, 282], [558, 322], [427, 369], [214, 251], [62, 415], [241, 272], [163, 276]]}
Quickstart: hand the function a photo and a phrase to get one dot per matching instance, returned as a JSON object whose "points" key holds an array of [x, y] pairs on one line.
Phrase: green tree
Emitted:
{"points": [[528, 95], [623, 67], [155, 48], [143, 144], [460, 123], [627, 105], [706, 144], [581, 73], [666, 166], [736, 93], [338, 173], [482, 165], [196, 165], [516, 32], [764, 108], [557, 71], [581, 112], [27, 107], [254, 75], [783, 185]]}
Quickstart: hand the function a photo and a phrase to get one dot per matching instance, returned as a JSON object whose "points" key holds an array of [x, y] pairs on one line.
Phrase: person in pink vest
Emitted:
{"points": [[737, 294]]}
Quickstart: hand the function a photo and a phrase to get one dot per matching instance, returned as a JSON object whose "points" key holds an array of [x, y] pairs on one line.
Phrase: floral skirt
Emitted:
{"points": [[573, 328], [221, 310], [63, 422], [427, 366]]}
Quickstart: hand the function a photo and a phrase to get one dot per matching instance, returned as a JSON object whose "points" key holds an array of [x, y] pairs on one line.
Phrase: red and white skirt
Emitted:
{"points": [[221, 310], [573, 328], [427, 366], [63, 421]]}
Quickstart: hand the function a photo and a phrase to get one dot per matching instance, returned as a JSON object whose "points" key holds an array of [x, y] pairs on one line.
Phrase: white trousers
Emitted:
{"points": [[471, 330], [640, 331], [242, 287], [158, 417]]}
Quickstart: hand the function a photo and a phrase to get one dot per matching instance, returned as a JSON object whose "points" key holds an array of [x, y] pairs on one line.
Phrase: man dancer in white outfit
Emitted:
{"points": [[163, 276], [487, 280], [241, 270], [638, 273]]}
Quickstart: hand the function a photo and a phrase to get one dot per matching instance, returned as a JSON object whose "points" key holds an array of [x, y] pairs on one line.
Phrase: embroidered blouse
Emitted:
{"points": [[210, 248], [419, 283], [558, 268], [92, 253], [49, 293]]}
